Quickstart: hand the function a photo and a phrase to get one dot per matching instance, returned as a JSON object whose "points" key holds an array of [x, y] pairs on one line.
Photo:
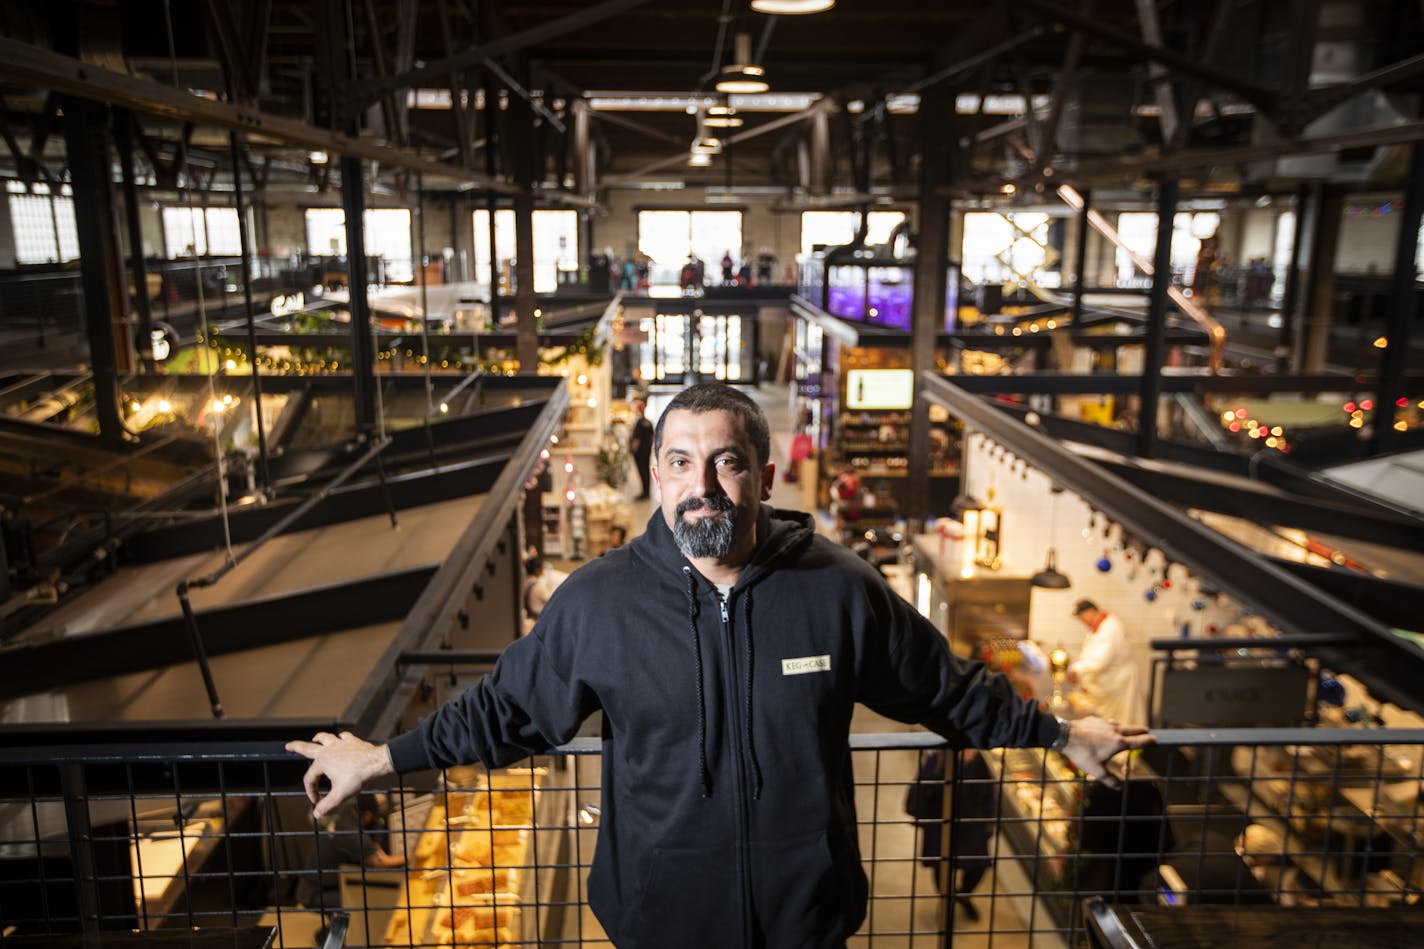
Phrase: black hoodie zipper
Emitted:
{"points": [[734, 712]]}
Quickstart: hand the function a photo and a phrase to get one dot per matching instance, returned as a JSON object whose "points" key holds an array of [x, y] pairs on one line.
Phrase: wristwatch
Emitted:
{"points": [[1065, 731]]}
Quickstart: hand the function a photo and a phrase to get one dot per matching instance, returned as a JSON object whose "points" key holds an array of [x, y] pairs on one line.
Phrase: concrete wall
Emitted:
{"points": [[1368, 236]]}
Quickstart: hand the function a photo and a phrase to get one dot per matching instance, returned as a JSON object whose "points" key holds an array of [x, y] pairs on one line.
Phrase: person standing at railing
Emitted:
{"points": [[726, 647]]}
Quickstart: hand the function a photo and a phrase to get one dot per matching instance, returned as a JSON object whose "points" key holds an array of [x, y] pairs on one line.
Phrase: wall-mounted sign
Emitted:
{"points": [[1211, 694], [887, 389]]}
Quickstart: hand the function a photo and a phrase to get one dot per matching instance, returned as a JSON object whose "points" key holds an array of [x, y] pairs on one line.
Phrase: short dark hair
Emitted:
{"points": [[1082, 606], [719, 397], [533, 564]]}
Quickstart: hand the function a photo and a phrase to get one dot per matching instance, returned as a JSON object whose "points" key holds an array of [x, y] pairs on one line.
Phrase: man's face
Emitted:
{"points": [[710, 483], [1088, 618]]}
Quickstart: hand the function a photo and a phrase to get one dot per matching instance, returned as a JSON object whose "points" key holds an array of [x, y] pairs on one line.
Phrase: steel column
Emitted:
{"points": [[86, 134], [1290, 301], [1151, 392], [937, 137], [1080, 256], [363, 356], [1318, 313], [124, 142], [524, 165]]}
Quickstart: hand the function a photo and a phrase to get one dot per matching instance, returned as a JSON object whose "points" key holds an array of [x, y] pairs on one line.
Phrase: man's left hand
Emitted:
{"points": [[1094, 740]]}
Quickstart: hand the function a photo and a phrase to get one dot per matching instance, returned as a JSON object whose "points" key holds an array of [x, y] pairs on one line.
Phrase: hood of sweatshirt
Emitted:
{"points": [[779, 535]]}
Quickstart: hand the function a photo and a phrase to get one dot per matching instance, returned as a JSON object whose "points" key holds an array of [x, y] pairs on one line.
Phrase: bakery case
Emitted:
{"points": [[480, 849]]}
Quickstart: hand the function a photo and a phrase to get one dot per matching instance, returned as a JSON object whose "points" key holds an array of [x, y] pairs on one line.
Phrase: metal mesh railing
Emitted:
{"points": [[1005, 852]]}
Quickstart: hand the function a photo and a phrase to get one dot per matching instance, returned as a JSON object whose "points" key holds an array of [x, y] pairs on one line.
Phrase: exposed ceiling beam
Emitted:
{"points": [[730, 141], [507, 44], [1259, 96], [26, 63]]}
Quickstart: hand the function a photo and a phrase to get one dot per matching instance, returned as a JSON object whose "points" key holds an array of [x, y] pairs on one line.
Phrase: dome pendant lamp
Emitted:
{"points": [[792, 7], [741, 76], [1049, 578]]}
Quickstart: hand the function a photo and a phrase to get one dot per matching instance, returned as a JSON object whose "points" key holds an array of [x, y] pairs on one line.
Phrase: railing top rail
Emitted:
{"points": [[270, 750]]}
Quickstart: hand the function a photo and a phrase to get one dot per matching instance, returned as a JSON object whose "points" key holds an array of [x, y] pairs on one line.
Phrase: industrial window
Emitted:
{"points": [[387, 235], [1138, 230], [201, 232], [1009, 247], [672, 238], [833, 228], [555, 247], [43, 225]]}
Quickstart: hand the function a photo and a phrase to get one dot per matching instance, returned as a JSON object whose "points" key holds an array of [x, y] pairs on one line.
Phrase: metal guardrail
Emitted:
{"points": [[165, 836]]}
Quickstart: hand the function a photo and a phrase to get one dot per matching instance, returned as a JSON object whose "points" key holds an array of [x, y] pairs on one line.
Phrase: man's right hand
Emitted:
{"points": [[1094, 740], [345, 760]]}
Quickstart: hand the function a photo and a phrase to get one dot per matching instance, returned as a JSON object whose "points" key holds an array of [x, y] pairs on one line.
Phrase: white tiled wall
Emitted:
{"points": [[1034, 519]]}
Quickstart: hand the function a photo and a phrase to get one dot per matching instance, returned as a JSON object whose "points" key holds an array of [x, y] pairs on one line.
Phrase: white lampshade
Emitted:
{"points": [[722, 117], [792, 7], [741, 75]]}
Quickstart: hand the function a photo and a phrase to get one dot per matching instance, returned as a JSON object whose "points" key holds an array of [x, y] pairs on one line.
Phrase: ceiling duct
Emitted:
{"points": [[1344, 52]]}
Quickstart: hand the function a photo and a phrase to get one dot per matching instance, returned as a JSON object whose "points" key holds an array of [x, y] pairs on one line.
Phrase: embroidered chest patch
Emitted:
{"points": [[805, 664]]}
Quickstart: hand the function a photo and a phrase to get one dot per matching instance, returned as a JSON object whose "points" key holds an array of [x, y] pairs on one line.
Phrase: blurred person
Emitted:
{"points": [[1106, 669], [640, 446]]}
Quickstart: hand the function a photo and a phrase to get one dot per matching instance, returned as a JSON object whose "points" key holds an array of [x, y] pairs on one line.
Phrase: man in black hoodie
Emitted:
{"points": [[726, 686]]}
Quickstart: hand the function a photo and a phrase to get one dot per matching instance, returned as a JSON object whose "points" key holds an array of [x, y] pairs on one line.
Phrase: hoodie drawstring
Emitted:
{"points": [[751, 744], [702, 771]]}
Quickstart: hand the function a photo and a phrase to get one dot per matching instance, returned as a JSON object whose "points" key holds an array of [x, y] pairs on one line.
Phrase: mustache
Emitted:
{"points": [[718, 503]]}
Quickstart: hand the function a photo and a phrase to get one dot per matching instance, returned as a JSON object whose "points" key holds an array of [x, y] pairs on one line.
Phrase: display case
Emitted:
{"points": [[483, 839]]}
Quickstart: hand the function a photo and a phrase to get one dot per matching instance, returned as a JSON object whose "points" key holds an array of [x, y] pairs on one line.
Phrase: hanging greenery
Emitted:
{"points": [[585, 346]]}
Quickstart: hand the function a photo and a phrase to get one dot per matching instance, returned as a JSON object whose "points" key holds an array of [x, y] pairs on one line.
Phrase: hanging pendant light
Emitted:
{"points": [[722, 117], [741, 75], [792, 7], [1049, 578]]}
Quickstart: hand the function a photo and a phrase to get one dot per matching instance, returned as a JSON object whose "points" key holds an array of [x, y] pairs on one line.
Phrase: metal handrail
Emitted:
{"points": [[217, 751]]}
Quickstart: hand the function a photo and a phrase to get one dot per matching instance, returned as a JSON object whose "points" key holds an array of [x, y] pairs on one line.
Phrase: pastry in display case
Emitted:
{"points": [[470, 879]]}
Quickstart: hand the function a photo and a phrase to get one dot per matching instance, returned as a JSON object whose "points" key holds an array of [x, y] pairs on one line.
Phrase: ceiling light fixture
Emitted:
{"points": [[722, 117], [699, 159], [792, 7], [741, 76], [706, 145]]}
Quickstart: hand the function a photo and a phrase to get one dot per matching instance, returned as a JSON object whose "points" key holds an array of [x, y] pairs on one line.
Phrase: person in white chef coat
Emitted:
{"points": [[1107, 671]]}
